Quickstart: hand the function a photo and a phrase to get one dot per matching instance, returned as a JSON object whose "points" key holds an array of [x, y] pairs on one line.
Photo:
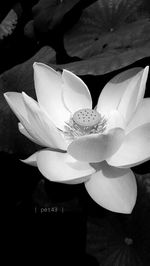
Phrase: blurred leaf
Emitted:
{"points": [[108, 62], [103, 47], [48, 13], [9, 23]]}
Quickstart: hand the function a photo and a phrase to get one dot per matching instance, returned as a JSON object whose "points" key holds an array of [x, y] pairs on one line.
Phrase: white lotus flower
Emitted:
{"points": [[96, 146]]}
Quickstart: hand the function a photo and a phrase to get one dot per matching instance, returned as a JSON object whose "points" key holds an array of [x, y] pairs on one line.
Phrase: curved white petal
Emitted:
{"points": [[31, 160], [142, 85], [113, 91], [96, 147], [141, 116], [24, 132], [134, 150], [48, 86], [16, 102], [77, 180], [133, 95], [114, 189], [114, 120], [40, 121], [19, 107], [61, 167], [76, 94]]}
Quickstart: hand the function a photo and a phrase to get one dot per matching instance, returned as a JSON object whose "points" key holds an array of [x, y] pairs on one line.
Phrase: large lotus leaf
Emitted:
{"points": [[108, 62], [47, 14], [124, 240], [19, 78], [106, 49]]}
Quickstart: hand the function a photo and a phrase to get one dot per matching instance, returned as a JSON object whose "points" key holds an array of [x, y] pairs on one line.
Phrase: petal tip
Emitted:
{"points": [[35, 64], [146, 71], [128, 209], [66, 74], [31, 160], [65, 71], [147, 68], [25, 96], [7, 94]]}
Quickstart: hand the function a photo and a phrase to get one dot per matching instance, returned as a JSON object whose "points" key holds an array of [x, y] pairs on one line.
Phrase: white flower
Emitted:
{"points": [[96, 146]]}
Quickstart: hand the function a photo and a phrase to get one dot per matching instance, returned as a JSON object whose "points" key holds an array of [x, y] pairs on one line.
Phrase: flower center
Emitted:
{"points": [[86, 117], [84, 122]]}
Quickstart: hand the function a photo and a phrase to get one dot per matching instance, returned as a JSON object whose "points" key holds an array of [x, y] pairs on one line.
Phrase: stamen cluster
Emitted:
{"points": [[74, 130]]}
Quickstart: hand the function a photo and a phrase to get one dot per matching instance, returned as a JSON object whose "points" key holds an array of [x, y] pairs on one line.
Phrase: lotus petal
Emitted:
{"points": [[114, 120], [24, 132], [96, 147], [75, 92], [61, 167], [16, 102], [133, 95], [112, 92], [48, 86], [142, 85], [31, 160], [112, 188], [43, 125], [142, 115], [134, 150]]}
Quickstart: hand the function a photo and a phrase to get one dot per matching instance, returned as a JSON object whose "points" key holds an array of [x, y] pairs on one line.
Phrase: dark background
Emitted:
{"points": [[33, 235]]}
